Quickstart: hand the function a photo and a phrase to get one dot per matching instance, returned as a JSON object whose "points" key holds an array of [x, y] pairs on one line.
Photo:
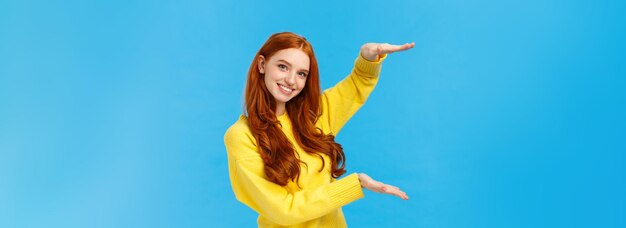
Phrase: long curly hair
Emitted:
{"points": [[278, 154]]}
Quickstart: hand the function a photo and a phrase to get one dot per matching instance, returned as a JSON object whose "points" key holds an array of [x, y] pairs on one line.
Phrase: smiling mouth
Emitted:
{"points": [[285, 89]]}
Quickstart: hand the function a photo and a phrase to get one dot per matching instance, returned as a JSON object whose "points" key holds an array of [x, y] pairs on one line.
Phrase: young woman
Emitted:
{"points": [[282, 155]]}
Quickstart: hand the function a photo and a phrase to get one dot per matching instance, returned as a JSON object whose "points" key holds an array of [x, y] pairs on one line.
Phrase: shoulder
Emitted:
{"points": [[238, 129], [239, 140], [240, 126]]}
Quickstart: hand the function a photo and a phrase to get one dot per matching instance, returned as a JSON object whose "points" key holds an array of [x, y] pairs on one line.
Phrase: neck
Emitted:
{"points": [[280, 109]]}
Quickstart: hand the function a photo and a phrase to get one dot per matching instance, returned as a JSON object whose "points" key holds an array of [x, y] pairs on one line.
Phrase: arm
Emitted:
{"points": [[342, 101], [276, 202]]}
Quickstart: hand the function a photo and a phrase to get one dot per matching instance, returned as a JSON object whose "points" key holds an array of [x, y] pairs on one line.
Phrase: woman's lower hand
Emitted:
{"points": [[376, 186]]}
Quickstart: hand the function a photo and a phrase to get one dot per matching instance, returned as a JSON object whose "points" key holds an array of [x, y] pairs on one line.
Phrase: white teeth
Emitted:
{"points": [[285, 88]]}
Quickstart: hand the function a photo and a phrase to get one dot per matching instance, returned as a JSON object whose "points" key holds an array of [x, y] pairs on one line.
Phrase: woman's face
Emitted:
{"points": [[285, 73]]}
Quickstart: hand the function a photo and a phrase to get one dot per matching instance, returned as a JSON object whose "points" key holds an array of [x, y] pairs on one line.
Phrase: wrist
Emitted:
{"points": [[369, 57]]}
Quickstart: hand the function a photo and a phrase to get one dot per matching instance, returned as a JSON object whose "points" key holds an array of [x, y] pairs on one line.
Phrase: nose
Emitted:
{"points": [[291, 79]]}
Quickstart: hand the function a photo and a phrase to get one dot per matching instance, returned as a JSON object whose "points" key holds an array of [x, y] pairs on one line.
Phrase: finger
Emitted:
{"points": [[392, 187], [397, 192], [392, 190], [401, 194], [389, 48], [403, 47], [389, 189], [404, 196]]}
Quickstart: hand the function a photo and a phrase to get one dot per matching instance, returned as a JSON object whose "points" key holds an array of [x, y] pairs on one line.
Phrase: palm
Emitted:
{"points": [[376, 186], [372, 51]]}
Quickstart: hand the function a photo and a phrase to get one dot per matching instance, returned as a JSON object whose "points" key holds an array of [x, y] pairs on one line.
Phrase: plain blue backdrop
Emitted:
{"points": [[505, 114]]}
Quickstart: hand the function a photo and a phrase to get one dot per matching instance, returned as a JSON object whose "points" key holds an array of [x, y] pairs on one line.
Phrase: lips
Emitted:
{"points": [[284, 89]]}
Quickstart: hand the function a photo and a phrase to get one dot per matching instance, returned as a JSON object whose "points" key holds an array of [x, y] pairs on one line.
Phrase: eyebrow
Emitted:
{"points": [[285, 61]]}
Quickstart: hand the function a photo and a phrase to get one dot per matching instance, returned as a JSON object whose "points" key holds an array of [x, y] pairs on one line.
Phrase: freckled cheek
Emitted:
{"points": [[276, 74], [275, 71], [301, 84]]}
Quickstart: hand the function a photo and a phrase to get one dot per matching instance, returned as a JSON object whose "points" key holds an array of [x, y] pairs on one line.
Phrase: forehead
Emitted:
{"points": [[296, 57]]}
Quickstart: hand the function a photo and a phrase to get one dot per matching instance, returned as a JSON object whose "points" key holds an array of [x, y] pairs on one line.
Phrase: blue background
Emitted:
{"points": [[505, 114]]}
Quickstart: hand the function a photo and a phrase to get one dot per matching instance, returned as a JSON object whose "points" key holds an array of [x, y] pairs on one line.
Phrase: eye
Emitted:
{"points": [[302, 74], [282, 67]]}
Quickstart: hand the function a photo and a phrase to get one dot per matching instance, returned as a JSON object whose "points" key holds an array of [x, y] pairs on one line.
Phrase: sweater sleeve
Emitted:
{"points": [[341, 102], [273, 201]]}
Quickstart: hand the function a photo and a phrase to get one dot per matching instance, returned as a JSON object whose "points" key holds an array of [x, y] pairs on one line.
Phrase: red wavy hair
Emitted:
{"points": [[277, 152]]}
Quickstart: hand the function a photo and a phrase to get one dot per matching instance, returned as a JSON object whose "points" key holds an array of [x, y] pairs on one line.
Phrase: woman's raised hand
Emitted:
{"points": [[376, 186], [373, 51]]}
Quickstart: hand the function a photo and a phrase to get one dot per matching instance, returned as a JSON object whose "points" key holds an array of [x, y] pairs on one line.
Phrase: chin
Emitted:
{"points": [[286, 99]]}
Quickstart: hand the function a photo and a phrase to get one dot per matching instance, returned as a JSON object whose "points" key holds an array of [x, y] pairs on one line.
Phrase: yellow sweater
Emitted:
{"points": [[318, 200]]}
